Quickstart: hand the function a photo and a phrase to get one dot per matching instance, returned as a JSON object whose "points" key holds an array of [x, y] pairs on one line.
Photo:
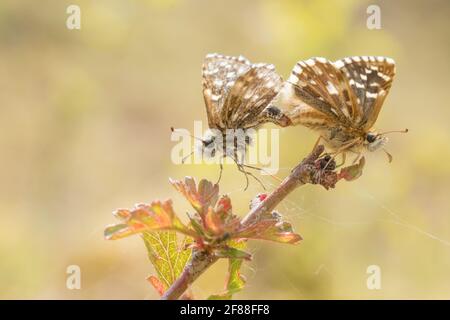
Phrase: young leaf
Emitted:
{"points": [[167, 256], [270, 227], [213, 222], [156, 216], [200, 198], [157, 284]]}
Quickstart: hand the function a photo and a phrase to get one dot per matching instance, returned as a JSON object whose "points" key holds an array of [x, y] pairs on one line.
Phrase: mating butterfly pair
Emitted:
{"points": [[341, 100]]}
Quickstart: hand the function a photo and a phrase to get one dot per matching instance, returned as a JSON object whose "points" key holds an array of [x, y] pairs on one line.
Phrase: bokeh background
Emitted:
{"points": [[85, 118]]}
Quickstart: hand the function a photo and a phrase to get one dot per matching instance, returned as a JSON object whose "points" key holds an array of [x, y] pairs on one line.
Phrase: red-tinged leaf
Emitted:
{"points": [[224, 210], [223, 206], [158, 285], [122, 230], [352, 172], [200, 198], [122, 214], [156, 216], [272, 228], [213, 222], [220, 220]]}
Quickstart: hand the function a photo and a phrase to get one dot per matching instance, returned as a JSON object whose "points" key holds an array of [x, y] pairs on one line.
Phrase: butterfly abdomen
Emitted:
{"points": [[275, 115], [310, 119]]}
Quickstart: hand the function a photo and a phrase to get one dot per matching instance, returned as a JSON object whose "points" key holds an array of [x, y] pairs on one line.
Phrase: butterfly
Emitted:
{"points": [[238, 97], [341, 100]]}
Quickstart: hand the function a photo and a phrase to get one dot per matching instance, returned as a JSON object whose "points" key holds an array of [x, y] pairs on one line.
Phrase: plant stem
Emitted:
{"points": [[200, 261], [300, 175], [306, 172]]}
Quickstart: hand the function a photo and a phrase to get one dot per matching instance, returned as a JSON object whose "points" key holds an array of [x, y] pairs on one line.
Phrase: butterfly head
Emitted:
{"points": [[228, 143], [374, 141], [208, 144]]}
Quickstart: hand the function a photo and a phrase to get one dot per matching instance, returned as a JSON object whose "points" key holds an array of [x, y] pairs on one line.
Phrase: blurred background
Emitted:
{"points": [[85, 117]]}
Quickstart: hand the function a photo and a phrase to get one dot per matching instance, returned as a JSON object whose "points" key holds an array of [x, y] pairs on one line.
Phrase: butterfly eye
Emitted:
{"points": [[273, 111], [208, 141], [371, 137]]}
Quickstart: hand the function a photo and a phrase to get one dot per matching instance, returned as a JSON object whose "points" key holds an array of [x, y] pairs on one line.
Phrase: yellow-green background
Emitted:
{"points": [[85, 118]]}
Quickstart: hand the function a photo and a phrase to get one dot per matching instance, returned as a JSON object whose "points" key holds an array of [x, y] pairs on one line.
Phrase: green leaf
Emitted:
{"points": [[168, 256], [232, 253], [235, 281]]}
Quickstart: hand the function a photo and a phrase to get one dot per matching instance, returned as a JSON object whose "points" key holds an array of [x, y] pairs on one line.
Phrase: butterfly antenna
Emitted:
{"points": [[172, 129], [388, 155], [185, 157], [394, 131]]}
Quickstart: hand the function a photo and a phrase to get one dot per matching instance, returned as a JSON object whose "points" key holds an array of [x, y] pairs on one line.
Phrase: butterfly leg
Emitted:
{"points": [[333, 158], [247, 173], [240, 168], [318, 140], [254, 177], [220, 172], [358, 156], [342, 150], [388, 155], [329, 161], [343, 158], [262, 170]]}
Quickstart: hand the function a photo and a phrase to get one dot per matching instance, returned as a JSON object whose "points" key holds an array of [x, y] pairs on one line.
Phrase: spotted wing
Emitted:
{"points": [[318, 94], [368, 80], [298, 112], [249, 97], [219, 76], [237, 92]]}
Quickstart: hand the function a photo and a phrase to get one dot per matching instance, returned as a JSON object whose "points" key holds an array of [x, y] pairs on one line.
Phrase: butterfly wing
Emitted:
{"points": [[237, 92], [369, 80], [251, 94], [291, 102], [219, 76], [318, 91]]}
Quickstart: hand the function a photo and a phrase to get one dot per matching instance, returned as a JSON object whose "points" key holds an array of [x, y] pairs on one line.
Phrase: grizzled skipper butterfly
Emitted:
{"points": [[341, 100], [238, 97]]}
